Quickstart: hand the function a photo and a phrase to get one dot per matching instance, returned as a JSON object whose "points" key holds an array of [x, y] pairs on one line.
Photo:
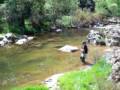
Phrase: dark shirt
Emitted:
{"points": [[85, 49]]}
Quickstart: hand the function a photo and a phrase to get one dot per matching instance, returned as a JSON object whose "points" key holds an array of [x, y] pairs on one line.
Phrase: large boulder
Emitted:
{"points": [[68, 48]]}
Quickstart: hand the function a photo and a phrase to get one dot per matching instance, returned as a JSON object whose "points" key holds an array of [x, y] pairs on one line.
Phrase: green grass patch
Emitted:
{"points": [[86, 80], [41, 87]]}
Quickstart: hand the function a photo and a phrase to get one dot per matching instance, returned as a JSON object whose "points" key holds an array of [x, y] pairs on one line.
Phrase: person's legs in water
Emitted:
{"points": [[83, 60]]}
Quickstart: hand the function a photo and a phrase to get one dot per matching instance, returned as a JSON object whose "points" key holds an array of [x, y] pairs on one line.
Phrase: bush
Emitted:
{"points": [[32, 88], [85, 18], [92, 79], [65, 21], [108, 7]]}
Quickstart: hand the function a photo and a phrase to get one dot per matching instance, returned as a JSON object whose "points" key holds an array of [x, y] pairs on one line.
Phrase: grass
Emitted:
{"points": [[32, 88], [32, 63], [92, 79]]}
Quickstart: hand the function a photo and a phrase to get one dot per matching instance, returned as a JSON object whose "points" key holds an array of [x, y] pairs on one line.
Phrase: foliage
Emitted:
{"points": [[32, 88], [17, 11], [2, 1], [85, 18], [86, 80], [42, 14], [61, 7], [87, 4], [65, 21], [57, 9], [108, 7]]}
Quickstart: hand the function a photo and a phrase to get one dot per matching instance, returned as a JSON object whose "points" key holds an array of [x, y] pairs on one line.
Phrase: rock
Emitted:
{"points": [[68, 48], [111, 34], [24, 39], [52, 82], [113, 57], [7, 38], [59, 30], [114, 20], [30, 38], [2, 43], [95, 38], [8, 35], [21, 41]]}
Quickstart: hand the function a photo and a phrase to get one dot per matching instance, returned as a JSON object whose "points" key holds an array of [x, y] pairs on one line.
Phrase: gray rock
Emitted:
{"points": [[114, 60]]}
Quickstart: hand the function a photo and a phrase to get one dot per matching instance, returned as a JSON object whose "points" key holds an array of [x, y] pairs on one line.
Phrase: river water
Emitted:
{"points": [[37, 60]]}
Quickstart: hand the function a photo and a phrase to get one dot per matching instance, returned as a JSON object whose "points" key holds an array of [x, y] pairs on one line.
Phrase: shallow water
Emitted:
{"points": [[39, 59]]}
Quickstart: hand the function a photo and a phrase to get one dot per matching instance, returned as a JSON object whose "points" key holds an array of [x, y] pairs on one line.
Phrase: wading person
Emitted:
{"points": [[84, 52]]}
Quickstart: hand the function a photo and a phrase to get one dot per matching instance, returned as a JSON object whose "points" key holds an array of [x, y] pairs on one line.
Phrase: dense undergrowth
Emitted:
{"points": [[91, 79]]}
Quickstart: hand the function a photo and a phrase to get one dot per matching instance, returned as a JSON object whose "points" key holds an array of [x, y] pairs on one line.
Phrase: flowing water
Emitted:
{"points": [[37, 60]]}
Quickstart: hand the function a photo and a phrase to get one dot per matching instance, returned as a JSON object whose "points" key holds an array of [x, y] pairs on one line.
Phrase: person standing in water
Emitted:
{"points": [[84, 52]]}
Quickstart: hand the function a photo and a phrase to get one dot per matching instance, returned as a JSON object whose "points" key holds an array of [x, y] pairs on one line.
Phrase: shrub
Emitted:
{"points": [[65, 21], [108, 7], [85, 18]]}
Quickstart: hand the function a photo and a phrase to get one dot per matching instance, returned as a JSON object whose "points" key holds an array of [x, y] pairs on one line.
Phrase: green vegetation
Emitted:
{"points": [[108, 7], [91, 79], [41, 15], [84, 18], [32, 88]]}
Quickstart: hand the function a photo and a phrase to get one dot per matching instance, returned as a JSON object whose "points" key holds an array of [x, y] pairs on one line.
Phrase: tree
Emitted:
{"points": [[88, 4], [58, 8], [38, 14], [2, 1], [17, 11], [15, 15]]}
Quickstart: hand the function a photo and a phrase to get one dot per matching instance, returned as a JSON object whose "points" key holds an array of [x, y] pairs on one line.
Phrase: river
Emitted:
{"points": [[39, 59]]}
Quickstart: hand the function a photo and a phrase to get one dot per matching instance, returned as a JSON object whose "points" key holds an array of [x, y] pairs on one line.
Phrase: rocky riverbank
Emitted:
{"points": [[111, 35], [113, 57], [108, 35], [10, 38]]}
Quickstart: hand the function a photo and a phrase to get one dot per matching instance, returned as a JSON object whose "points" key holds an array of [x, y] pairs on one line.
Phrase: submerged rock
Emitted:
{"points": [[68, 48]]}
